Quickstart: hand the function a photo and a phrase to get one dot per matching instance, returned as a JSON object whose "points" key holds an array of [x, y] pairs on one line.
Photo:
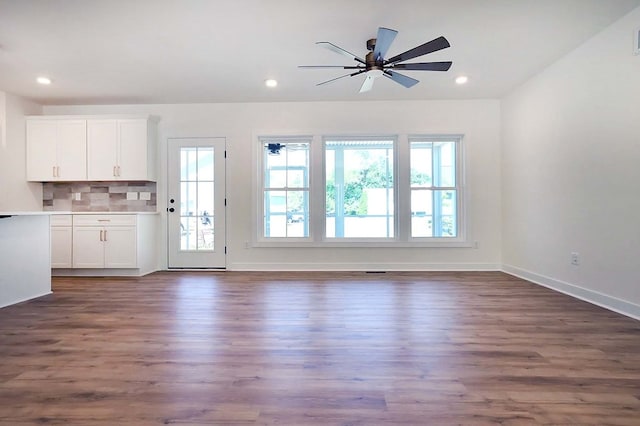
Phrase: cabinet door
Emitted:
{"points": [[61, 247], [71, 150], [120, 247], [41, 150], [102, 141], [132, 156], [88, 247]]}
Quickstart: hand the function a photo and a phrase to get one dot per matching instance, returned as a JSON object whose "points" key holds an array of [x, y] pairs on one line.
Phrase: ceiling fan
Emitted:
{"points": [[375, 65]]}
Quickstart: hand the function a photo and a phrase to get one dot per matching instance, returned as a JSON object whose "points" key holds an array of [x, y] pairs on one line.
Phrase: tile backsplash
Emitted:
{"points": [[99, 196]]}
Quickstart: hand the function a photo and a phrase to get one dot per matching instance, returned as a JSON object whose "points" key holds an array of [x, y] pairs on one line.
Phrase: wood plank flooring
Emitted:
{"points": [[315, 349]]}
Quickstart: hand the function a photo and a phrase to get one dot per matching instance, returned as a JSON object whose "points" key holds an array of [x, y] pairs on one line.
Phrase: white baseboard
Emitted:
{"points": [[64, 272], [600, 299], [377, 267]]}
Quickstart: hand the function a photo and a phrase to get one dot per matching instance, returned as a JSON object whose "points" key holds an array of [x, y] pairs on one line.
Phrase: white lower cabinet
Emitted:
{"points": [[104, 241], [103, 244], [61, 241]]}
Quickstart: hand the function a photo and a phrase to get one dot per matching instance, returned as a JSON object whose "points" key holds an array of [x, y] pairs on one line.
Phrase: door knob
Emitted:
{"points": [[172, 209]]}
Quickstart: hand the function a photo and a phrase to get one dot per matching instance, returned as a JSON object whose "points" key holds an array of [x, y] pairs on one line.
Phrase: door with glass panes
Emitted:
{"points": [[196, 203]]}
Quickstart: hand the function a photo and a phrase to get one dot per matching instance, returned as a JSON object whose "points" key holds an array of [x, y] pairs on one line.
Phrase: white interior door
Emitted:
{"points": [[196, 203]]}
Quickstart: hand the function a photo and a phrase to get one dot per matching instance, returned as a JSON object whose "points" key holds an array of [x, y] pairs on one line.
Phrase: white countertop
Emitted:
{"points": [[57, 212], [32, 213], [112, 213]]}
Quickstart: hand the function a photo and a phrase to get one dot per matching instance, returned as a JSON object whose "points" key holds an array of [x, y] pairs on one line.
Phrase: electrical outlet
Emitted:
{"points": [[77, 196], [575, 258], [145, 196], [132, 195]]}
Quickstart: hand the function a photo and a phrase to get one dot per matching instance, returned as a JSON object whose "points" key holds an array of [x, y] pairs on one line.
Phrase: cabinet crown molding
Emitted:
{"points": [[154, 118]]}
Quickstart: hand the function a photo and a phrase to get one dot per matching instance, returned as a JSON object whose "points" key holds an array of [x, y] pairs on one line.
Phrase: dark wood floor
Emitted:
{"points": [[315, 348]]}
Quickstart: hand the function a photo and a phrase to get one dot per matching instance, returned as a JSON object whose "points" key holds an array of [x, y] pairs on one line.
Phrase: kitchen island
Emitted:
{"points": [[25, 256]]}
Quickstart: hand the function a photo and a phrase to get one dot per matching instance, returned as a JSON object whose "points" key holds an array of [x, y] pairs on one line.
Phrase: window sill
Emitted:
{"points": [[362, 244]]}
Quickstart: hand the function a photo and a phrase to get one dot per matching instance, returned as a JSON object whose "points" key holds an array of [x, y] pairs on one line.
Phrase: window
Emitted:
{"points": [[359, 188], [340, 191], [285, 188], [196, 198], [434, 190]]}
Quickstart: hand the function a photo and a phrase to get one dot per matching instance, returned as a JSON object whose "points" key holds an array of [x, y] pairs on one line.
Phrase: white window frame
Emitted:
{"points": [[461, 202], [259, 203], [361, 241], [402, 194]]}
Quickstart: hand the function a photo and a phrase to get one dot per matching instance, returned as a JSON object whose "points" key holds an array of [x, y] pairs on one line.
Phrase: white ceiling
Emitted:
{"points": [[192, 51]]}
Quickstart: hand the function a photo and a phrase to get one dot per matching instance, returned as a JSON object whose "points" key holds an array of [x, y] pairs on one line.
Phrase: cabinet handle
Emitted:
{"points": [[105, 235], [114, 171], [118, 171], [101, 235], [54, 171], [58, 171]]}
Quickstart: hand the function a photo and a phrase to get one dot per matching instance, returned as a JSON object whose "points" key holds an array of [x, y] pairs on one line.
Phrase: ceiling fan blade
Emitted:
{"points": [[367, 84], [383, 42], [424, 66], [342, 76], [330, 66], [340, 50], [429, 47], [401, 79]]}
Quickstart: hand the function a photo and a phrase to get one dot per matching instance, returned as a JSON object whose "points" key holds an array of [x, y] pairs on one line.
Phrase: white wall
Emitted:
{"points": [[15, 192], [571, 172], [25, 260], [478, 120]]}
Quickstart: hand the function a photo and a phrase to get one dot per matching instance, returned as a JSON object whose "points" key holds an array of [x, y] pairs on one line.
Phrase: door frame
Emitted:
{"points": [[218, 142]]}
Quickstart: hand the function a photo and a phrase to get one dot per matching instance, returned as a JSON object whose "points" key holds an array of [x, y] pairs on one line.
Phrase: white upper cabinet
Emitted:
{"points": [[56, 149], [121, 149], [91, 148]]}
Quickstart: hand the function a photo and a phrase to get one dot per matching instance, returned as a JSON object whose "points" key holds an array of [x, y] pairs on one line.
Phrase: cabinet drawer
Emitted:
{"points": [[60, 220], [104, 220]]}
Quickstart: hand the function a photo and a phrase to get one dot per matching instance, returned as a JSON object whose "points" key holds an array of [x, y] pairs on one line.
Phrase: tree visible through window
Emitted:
{"points": [[359, 188], [403, 190]]}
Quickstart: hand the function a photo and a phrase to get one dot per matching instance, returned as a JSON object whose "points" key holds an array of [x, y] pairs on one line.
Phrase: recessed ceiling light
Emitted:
{"points": [[43, 80], [271, 83], [462, 79]]}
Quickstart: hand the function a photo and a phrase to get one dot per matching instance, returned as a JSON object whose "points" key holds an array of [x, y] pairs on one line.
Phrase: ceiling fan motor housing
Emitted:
{"points": [[373, 66]]}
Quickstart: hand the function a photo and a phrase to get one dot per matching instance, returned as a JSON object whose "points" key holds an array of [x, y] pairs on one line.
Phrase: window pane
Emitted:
{"points": [[275, 217], [421, 213], [444, 207], [189, 233], [205, 198], [296, 178], [188, 164], [359, 189], [205, 164], [421, 161], [298, 154], [297, 214], [188, 198], [276, 178], [205, 233], [444, 164]]}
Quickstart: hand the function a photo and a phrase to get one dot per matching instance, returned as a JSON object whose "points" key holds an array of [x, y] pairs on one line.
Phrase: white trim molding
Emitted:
{"points": [[605, 301], [361, 266]]}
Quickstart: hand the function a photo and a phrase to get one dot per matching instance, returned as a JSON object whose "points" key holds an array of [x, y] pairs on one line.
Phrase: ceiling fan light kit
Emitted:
{"points": [[375, 65]]}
